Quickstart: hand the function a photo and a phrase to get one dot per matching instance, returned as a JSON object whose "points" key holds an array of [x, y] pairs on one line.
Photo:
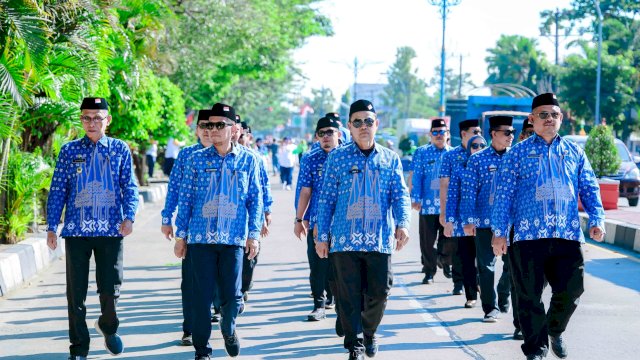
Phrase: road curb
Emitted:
{"points": [[20, 262], [618, 233]]}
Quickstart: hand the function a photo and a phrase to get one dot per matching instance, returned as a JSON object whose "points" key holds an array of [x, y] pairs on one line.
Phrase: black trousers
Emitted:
{"points": [[318, 274], [186, 290], [430, 230], [248, 266], [467, 257], [358, 275], [151, 163], [562, 263], [107, 252], [507, 286], [486, 270]]}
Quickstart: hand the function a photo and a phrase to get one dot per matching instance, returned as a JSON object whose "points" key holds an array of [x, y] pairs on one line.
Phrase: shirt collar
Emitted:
{"points": [[537, 138], [104, 140], [235, 150]]}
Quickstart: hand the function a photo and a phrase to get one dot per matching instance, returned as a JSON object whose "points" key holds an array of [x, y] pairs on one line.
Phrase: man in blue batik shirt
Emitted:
{"points": [[310, 182], [476, 204], [425, 198], [203, 132], [241, 133], [94, 183], [363, 216], [220, 215], [539, 183], [452, 163]]}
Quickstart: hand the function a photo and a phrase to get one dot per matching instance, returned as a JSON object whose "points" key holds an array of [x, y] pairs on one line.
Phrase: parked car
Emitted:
{"points": [[628, 174]]}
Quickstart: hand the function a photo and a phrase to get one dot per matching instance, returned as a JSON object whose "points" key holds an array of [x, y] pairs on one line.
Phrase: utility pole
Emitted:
{"points": [[460, 79], [599, 70], [444, 4]]}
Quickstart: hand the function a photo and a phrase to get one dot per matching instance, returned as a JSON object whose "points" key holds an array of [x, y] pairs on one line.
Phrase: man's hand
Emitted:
{"points": [[167, 230], [267, 218], [442, 220], [52, 240], [322, 249], [470, 230], [300, 229], [126, 227], [180, 249], [265, 229], [252, 248], [402, 238], [416, 206], [448, 229], [596, 233], [499, 245]]}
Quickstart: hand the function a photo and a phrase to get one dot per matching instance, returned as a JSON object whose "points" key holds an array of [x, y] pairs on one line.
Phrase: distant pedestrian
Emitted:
{"points": [[171, 154], [287, 161], [152, 155], [95, 186]]}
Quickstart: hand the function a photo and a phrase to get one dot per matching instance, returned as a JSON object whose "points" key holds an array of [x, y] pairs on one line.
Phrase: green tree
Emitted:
{"points": [[455, 84], [406, 92], [322, 101], [516, 59], [578, 81]]}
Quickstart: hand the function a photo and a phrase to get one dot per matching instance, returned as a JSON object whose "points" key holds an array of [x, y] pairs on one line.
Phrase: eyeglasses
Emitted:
{"points": [[545, 115], [88, 119], [507, 132], [439, 132], [527, 132], [322, 133], [357, 123], [219, 125], [476, 146], [477, 132]]}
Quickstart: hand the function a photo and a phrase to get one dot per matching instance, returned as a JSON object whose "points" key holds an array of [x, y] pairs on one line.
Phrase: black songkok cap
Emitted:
{"points": [[94, 103], [204, 114], [500, 120], [333, 115], [327, 122], [437, 123], [224, 110], [526, 125], [244, 124], [468, 124], [361, 105], [544, 99]]}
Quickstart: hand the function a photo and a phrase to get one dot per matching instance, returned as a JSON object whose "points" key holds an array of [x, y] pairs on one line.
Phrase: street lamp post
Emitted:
{"points": [[599, 70], [444, 4]]}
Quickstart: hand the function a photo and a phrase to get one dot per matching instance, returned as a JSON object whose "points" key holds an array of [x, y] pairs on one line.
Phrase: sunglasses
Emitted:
{"points": [[219, 125], [545, 115], [476, 146], [322, 133], [527, 132], [439, 132], [507, 132], [357, 123]]}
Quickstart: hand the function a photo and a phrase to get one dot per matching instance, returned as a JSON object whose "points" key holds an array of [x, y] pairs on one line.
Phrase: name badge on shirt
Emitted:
{"points": [[430, 162], [493, 168], [534, 156], [354, 170], [79, 160], [210, 170]]}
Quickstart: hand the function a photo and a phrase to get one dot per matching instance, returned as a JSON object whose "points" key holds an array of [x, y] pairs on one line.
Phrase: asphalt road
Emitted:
{"points": [[421, 321]]}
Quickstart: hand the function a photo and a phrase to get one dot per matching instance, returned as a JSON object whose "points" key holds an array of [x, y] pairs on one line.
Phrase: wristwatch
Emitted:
{"points": [[178, 239], [298, 220]]}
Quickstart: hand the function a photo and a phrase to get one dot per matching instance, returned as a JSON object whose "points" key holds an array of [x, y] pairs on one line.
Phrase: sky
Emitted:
{"points": [[372, 30]]}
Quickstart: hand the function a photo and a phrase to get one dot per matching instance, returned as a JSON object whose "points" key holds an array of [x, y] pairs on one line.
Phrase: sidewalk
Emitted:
{"points": [[622, 226]]}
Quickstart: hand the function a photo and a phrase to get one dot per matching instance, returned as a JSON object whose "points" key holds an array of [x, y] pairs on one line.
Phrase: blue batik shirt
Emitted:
{"points": [[479, 186], [310, 176], [96, 185], [426, 178], [299, 185], [267, 199], [541, 183], [363, 200], [175, 179], [220, 198], [453, 167]]}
